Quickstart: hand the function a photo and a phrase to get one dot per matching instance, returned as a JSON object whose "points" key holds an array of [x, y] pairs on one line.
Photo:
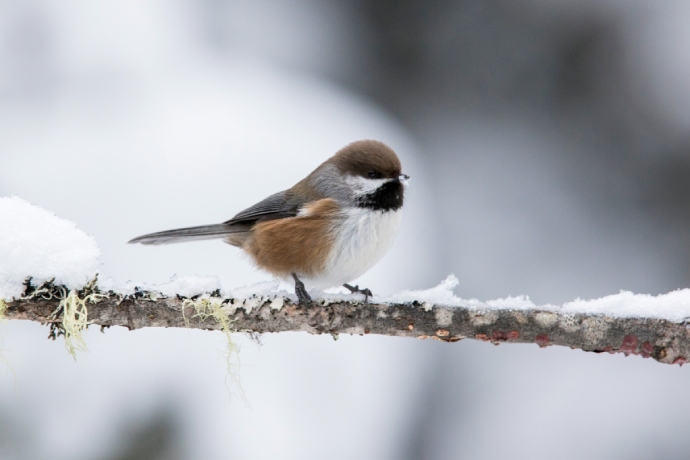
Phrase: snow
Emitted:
{"points": [[36, 243], [189, 285], [439, 295], [674, 306], [186, 286]]}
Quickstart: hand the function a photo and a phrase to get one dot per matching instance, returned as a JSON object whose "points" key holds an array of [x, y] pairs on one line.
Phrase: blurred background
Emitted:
{"points": [[549, 148]]}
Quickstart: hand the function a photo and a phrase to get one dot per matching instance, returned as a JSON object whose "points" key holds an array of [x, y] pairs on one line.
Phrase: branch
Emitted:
{"points": [[662, 340]]}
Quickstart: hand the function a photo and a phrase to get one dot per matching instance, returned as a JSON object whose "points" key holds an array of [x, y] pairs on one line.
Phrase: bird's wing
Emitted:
{"points": [[277, 206]]}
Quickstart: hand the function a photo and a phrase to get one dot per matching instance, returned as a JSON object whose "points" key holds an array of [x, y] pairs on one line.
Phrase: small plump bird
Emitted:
{"points": [[327, 230]]}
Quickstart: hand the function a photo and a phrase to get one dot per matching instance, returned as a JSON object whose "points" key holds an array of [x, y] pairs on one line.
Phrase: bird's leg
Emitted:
{"points": [[302, 294], [355, 289]]}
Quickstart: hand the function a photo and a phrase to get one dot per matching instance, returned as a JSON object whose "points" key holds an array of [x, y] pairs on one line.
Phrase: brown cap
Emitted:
{"points": [[362, 157]]}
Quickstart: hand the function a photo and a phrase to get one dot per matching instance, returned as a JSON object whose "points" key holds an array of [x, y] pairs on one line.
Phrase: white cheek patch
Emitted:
{"points": [[362, 186]]}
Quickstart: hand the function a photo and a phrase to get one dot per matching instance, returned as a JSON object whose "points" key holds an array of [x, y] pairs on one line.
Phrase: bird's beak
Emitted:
{"points": [[403, 179]]}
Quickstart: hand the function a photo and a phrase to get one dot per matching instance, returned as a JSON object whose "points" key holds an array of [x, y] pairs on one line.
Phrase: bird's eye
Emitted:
{"points": [[374, 175]]}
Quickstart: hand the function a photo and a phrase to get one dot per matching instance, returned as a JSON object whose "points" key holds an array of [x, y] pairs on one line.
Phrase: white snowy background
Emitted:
{"points": [[135, 116]]}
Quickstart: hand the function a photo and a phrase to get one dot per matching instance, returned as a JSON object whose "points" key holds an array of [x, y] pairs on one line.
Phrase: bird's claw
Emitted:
{"points": [[303, 296], [356, 290]]}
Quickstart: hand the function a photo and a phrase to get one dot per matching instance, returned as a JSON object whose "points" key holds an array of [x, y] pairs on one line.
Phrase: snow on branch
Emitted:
{"points": [[46, 264], [512, 320]]}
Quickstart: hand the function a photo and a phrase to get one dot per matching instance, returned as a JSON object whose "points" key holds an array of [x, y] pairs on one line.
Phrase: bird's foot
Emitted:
{"points": [[355, 289], [302, 294]]}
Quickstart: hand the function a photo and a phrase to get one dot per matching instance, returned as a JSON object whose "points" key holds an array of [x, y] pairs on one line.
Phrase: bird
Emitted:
{"points": [[327, 230]]}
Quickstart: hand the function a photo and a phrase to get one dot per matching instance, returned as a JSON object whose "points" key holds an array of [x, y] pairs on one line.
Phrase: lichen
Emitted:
{"points": [[569, 322], [72, 309], [546, 318], [444, 317], [70, 318], [482, 318], [74, 321], [594, 328], [207, 306]]}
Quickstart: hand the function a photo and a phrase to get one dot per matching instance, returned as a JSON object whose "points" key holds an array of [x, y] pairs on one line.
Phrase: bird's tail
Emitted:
{"points": [[180, 235]]}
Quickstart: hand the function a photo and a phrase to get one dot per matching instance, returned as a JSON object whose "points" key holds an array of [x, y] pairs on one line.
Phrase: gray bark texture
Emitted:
{"points": [[662, 340]]}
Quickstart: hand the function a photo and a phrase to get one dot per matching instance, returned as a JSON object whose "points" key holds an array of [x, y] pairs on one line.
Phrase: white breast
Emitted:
{"points": [[363, 237]]}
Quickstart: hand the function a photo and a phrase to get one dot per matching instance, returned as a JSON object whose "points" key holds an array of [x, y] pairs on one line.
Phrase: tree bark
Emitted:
{"points": [[662, 340]]}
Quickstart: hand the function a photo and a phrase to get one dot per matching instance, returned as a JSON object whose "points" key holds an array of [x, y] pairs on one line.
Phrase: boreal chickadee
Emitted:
{"points": [[328, 229]]}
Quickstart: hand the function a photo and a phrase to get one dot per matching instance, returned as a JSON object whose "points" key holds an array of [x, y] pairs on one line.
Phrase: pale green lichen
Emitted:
{"points": [[72, 308], [207, 306], [74, 321], [3, 309]]}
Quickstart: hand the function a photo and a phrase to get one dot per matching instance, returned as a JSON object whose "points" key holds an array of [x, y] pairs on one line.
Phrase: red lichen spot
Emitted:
{"points": [[646, 350], [367, 331], [542, 340], [442, 333], [629, 345], [680, 361], [482, 337], [423, 337], [500, 336], [410, 326]]}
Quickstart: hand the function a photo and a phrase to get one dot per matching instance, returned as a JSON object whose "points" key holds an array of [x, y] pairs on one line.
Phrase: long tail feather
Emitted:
{"points": [[179, 235]]}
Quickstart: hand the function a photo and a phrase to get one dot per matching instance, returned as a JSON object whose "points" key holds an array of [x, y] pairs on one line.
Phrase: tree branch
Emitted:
{"points": [[662, 340]]}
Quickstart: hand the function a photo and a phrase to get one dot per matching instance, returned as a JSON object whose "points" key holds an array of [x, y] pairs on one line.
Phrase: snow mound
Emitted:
{"points": [[439, 295], [36, 243], [674, 306]]}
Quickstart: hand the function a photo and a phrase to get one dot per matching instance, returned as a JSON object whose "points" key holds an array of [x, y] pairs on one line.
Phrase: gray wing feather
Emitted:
{"points": [[276, 206], [179, 235]]}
